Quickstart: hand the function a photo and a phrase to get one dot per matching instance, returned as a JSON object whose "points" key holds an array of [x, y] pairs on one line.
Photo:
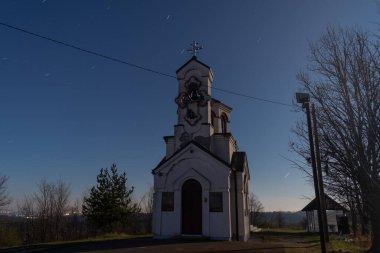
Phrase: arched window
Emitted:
{"points": [[223, 120], [213, 118]]}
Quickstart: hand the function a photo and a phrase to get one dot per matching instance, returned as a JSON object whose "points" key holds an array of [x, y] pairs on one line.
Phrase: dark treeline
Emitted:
{"points": [[281, 219], [50, 215]]}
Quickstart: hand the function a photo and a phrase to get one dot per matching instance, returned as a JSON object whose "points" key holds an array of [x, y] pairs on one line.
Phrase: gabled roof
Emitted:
{"points": [[330, 205], [194, 58], [239, 162], [164, 160], [215, 101]]}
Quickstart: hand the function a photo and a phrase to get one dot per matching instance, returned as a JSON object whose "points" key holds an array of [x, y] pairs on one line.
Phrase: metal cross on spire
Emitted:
{"points": [[195, 48]]}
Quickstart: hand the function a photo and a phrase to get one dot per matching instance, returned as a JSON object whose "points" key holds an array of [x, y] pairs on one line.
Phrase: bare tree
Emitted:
{"points": [[75, 207], [49, 216], [256, 210], [147, 201], [279, 219], [60, 208], [146, 205], [344, 80], [51, 206], [4, 198], [43, 209], [26, 209], [75, 225]]}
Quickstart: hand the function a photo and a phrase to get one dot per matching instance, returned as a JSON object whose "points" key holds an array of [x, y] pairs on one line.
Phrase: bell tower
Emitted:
{"points": [[200, 118], [194, 103]]}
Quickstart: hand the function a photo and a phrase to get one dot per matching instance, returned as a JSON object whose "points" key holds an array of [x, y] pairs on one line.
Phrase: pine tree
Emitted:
{"points": [[109, 205]]}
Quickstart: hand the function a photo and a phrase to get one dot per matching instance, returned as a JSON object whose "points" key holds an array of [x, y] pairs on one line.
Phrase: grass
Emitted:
{"points": [[298, 241], [100, 238], [8, 237], [284, 240], [357, 246], [89, 240], [284, 230]]}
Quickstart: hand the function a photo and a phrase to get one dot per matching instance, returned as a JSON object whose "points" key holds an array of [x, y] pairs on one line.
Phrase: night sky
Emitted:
{"points": [[64, 114]]}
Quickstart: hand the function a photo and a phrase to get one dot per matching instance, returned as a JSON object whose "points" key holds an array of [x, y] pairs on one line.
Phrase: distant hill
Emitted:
{"points": [[291, 219]]}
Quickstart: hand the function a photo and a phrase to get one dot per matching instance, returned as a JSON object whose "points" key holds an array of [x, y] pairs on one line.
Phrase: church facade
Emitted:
{"points": [[201, 185]]}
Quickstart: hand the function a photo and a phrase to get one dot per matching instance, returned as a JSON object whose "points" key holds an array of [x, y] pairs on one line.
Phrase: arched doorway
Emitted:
{"points": [[223, 122], [192, 207]]}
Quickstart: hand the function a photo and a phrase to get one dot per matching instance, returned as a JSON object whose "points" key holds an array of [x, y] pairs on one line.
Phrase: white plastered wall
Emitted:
{"points": [[213, 175]]}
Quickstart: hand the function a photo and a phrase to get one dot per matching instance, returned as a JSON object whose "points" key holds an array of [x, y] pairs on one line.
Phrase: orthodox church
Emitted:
{"points": [[201, 185]]}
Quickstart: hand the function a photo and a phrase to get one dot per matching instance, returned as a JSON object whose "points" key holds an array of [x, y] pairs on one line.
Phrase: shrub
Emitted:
{"points": [[9, 237]]}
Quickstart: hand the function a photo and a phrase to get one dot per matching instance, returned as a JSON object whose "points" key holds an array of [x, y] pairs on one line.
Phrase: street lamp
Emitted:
{"points": [[304, 99]]}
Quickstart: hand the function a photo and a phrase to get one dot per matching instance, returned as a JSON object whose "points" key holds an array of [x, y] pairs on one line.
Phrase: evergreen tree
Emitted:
{"points": [[109, 205]]}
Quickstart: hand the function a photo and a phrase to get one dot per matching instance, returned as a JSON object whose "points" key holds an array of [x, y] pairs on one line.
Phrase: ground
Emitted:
{"points": [[282, 241]]}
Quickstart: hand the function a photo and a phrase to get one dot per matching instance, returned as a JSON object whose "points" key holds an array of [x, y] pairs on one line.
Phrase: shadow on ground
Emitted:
{"points": [[272, 242], [141, 242]]}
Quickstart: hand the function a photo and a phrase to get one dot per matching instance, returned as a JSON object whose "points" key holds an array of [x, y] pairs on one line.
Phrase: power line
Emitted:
{"points": [[86, 50], [131, 64], [251, 97]]}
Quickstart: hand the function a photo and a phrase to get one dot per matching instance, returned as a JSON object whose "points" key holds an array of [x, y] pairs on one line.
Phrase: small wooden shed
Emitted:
{"points": [[335, 212]]}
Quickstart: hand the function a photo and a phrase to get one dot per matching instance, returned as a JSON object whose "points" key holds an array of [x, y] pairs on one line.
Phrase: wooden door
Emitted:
{"points": [[192, 208]]}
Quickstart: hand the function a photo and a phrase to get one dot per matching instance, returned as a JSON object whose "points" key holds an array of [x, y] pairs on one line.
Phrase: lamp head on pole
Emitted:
{"points": [[302, 97]]}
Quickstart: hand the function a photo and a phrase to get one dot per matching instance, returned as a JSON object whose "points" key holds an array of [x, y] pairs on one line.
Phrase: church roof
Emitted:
{"points": [[194, 58], [164, 160], [330, 205], [239, 162], [215, 101]]}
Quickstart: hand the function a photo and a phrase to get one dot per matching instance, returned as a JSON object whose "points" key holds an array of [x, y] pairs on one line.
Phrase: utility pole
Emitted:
{"points": [[320, 178], [304, 99]]}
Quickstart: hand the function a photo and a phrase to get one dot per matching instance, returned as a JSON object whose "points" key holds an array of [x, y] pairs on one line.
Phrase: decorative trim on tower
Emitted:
{"points": [[192, 100]]}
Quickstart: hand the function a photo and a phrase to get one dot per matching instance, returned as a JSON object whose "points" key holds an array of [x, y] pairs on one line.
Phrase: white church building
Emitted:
{"points": [[201, 185]]}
